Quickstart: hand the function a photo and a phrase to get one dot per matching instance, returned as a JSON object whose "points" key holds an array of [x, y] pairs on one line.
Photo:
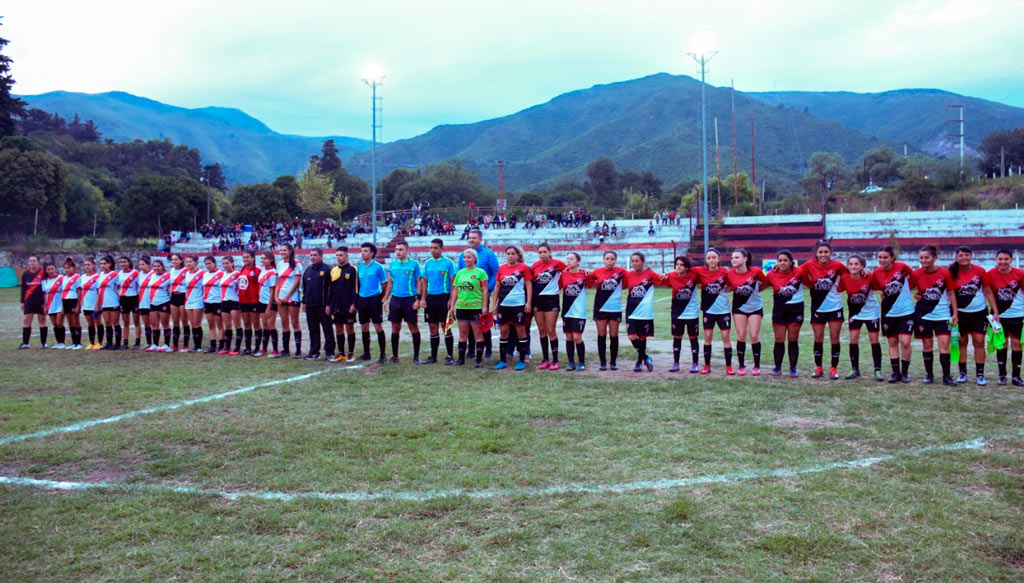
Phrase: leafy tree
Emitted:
{"points": [[392, 183], [85, 204], [289, 188], [642, 202], [574, 197], [1008, 143], [445, 184], [823, 172], [329, 160], [641, 182], [317, 196], [213, 177], [162, 203], [920, 192], [258, 203], [31, 180], [354, 189], [10, 106], [880, 166], [603, 182], [529, 199], [918, 166]]}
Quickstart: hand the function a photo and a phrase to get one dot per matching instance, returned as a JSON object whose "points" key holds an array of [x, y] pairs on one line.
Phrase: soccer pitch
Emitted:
{"points": [[127, 466]]}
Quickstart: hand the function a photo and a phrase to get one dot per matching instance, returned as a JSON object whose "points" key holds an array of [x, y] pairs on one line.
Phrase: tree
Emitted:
{"points": [[392, 183], [317, 196], [645, 182], [329, 160], [920, 192], [10, 106], [823, 172], [1001, 149], [529, 199], [30, 181], [354, 189], [880, 166], [603, 182], [445, 184], [918, 166], [161, 203], [213, 177], [85, 205], [260, 202], [289, 188]]}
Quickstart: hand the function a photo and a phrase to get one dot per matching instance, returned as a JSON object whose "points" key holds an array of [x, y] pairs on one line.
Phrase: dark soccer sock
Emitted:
{"points": [[109, 330], [228, 336], [197, 337], [382, 343], [238, 339], [167, 336], [677, 347], [779, 352], [819, 347], [449, 342], [554, 349], [755, 351], [643, 349], [59, 334], [895, 362], [352, 344], [793, 348], [728, 355], [26, 333], [214, 344], [855, 356], [76, 335], [614, 349], [707, 355], [286, 336], [435, 343], [1015, 360], [544, 347], [149, 335], [117, 334], [298, 342], [1000, 360], [929, 363], [248, 338], [175, 333], [488, 346], [581, 351], [258, 342], [835, 355], [741, 352], [273, 338], [602, 349], [904, 367], [471, 344], [462, 351], [366, 343], [962, 366], [187, 333], [636, 345], [876, 356], [92, 333], [479, 355], [694, 349], [339, 339], [944, 363], [524, 346], [416, 339], [502, 349], [979, 369], [394, 345]]}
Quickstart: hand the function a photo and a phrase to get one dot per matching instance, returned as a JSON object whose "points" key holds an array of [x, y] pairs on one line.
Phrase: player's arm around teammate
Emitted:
{"points": [[895, 280], [546, 273], [821, 276], [933, 313], [230, 312], [1008, 288], [787, 311], [639, 283], [574, 282], [973, 290], [714, 302], [746, 282], [510, 304]]}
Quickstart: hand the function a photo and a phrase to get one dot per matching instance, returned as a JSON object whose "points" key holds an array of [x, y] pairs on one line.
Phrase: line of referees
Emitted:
{"points": [[981, 297]]}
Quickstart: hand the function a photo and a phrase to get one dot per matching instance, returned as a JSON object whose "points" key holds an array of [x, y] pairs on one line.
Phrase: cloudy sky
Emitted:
{"points": [[297, 65]]}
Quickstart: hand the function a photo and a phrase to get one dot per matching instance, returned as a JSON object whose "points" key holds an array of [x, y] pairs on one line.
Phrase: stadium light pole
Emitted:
{"points": [[373, 79], [702, 56]]}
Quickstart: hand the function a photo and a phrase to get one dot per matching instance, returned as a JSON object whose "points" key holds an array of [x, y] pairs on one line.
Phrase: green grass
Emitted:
{"points": [[935, 517]]}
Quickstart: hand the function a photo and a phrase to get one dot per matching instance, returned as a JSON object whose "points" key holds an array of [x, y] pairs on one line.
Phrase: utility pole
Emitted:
{"points": [[735, 155], [502, 203], [960, 134], [718, 172], [753, 159], [373, 82], [702, 60]]}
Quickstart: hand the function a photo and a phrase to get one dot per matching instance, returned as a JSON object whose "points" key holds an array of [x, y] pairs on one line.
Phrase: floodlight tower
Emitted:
{"points": [[702, 55], [374, 79]]}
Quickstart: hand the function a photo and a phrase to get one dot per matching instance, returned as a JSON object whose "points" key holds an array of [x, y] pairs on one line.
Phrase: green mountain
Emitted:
{"points": [[247, 149], [918, 117], [651, 123]]}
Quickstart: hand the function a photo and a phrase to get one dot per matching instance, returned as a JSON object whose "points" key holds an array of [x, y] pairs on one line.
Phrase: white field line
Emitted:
{"points": [[571, 488], [168, 407]]}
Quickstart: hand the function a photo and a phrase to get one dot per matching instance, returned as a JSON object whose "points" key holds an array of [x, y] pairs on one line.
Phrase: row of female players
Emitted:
{"points": [[167, 304]]}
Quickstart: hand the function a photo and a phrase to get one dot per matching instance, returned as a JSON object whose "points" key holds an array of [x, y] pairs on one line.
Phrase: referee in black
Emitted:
{"points": [[316, 285]]}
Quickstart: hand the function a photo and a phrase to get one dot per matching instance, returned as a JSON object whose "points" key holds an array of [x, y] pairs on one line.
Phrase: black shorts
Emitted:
{"points": [[291, 304], [178, 299], [1012, 326], [473, 315], [400, 310], [143, 311], [616, 316], [826, 317], [545, 303], [250, 308], [757, 312], [976, 322], [343, 318], [786, 314], [687, 327], [212, 308], [511, 315], [723, 321], [370, 310], [33, 307], [111, 309], [573, 325], [436, 310], [163, 308], [895, 326], [641, 328], [228, 306], [871, 325], [262, 308], [68, 306], [929, 328], [129, 304]]}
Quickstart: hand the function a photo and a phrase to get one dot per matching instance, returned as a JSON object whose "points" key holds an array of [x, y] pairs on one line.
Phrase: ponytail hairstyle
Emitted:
{"points": [[269, 255], [544, 245], [858, 257], [518, 252], [954, 268], [180, 258], [576, 255], [787, 254], [109, 259], [929, 249], [291, 254], [640, 255], [145, 259], [129, 260], [69, 262], [745, 254], [821, 244]]}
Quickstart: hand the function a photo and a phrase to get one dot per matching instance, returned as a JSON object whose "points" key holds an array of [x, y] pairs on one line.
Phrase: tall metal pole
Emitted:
{"points": [[702, 59], [735, 158], [373, 83]]}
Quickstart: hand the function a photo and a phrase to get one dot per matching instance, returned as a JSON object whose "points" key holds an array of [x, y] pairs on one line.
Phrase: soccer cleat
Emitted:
{"points": [[706, 369], [570, 366], [756, 371], [429, 360], [23, 346], [649, 364], [962, 378], [833, 374], [246, 352], [196, 350], [581, 366], [544, 365], [460, 362], [58, 346], [776, 372], [365, 356], [638, 367], [163, 348], [818, 373], [234, 353], [613, 366], [151, 348], [694, 368], [312, 356], [520, 365], [211, 350], [879, 377], [948, 381], [471, 354], [854, 374], [602, 366], [297, 355], [729, 371], [674, 367], [478, 365], [501, 365], [488, 356], [981, 382], [1017, 382], [1002, 381], [794, 373], [741, 370], [44, 346], [382, 359], [928, 380], [905, 379], [554, 366], [274, 354], [223, 352], [394, 359], [258, 353], [894, 377], [135, 346], [340, 358], [285, 353], [448, 361], [417, 361]]}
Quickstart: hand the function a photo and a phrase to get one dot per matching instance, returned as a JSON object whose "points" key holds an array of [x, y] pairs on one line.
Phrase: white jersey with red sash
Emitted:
{"points": [[51, 293], [229, 286], [69, 290], [211, 287], [290, 279], [90, 291], [145, 280], [128, 283], [108, 297], [178, 283], [194, 290], [160, 289], [268, 281]]}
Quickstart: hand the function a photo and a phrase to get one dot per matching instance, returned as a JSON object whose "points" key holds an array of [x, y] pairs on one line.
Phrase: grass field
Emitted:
{"points": [[429, 473]]}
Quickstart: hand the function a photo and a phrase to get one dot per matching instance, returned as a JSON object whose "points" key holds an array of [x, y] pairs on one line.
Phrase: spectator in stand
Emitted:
{"points": [[614, 230], [650, 228], [657, 218]]}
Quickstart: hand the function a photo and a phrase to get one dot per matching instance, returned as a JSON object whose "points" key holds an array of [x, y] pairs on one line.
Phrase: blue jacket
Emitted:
{"points": [[486, 260]]}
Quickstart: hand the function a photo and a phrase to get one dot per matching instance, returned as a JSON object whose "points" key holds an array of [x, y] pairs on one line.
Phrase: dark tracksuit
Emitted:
{"points": [[316, 285]]}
